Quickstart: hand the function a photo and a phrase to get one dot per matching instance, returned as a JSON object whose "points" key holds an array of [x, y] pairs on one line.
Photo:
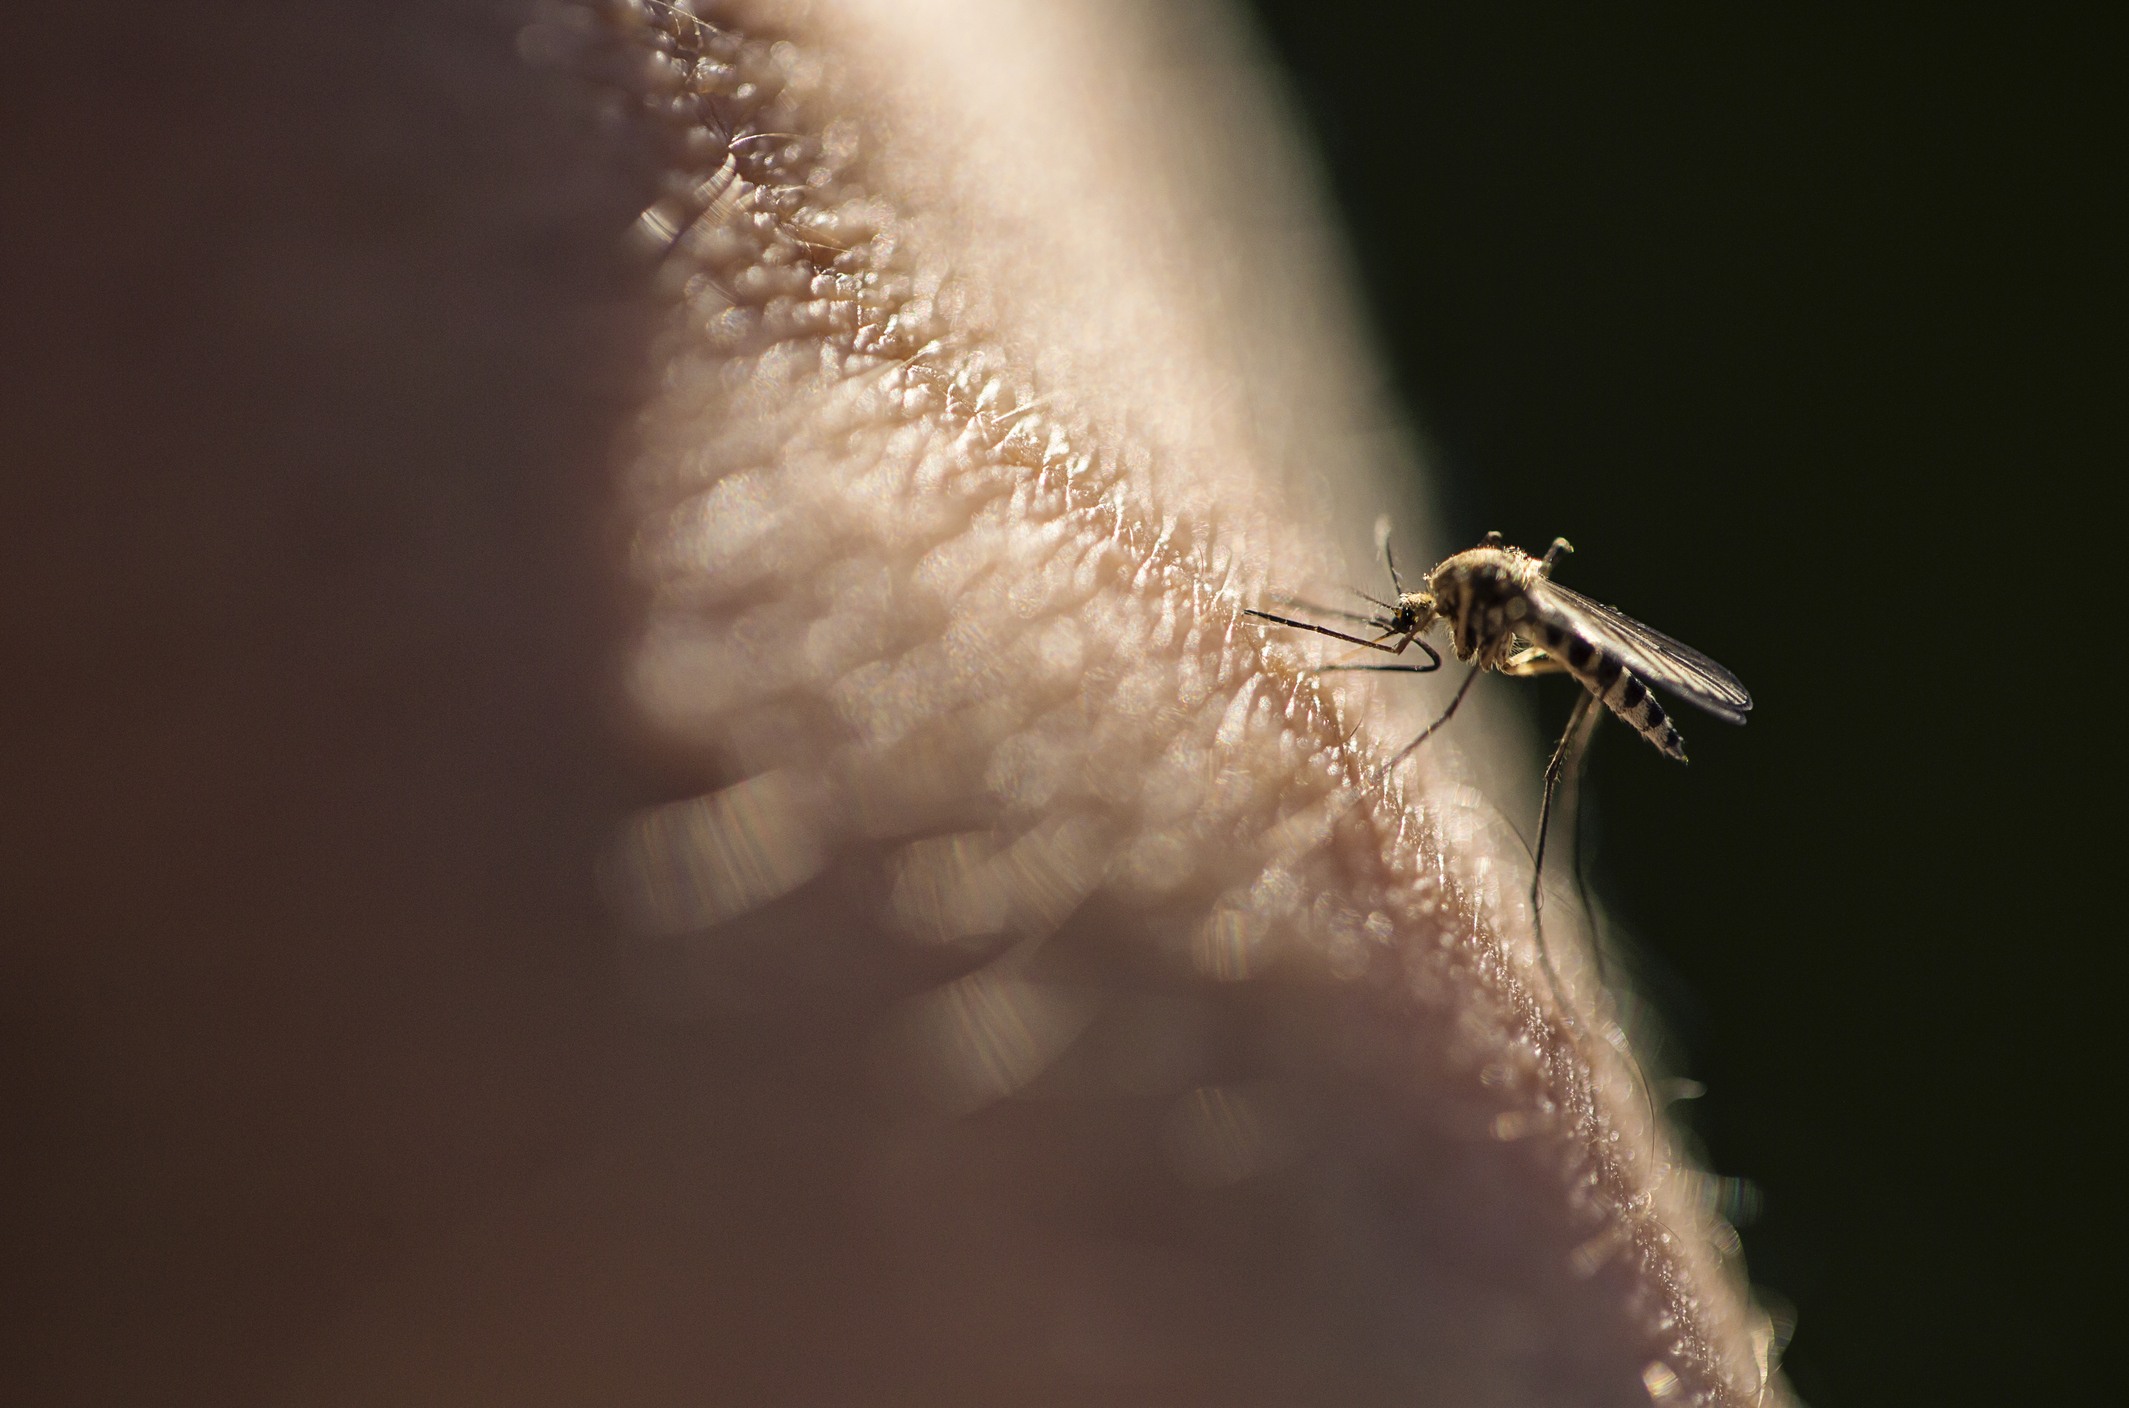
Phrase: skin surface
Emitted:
{"points": [[827, 901]]}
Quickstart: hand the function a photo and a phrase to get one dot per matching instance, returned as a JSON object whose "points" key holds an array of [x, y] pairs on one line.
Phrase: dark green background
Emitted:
{"points": [[1792, 321]]}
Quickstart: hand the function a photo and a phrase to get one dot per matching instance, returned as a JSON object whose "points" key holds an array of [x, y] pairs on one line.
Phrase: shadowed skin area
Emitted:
{"points": [[838, 905]]}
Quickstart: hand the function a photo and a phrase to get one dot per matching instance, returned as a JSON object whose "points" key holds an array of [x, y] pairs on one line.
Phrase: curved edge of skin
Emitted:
{"points": [[1176, 1052]]}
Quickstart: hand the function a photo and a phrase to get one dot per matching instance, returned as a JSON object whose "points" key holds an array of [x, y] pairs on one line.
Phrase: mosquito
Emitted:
{"points": [[1505, 613]]}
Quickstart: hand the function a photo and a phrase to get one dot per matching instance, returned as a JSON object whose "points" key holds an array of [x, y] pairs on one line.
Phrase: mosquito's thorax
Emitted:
{"points": [[1481, 594]]}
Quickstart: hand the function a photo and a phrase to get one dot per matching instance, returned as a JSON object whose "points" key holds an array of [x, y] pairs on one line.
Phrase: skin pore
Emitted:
{"points": [[1028, 987]]}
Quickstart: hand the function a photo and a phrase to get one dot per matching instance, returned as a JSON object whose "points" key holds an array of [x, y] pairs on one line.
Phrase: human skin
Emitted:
{"points": [[1008, 977]]}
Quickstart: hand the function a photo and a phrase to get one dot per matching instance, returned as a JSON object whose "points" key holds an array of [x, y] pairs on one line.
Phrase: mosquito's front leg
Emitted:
{"points": [[1386, 669], [1434, 660], [1357, 618], [1375, 644]]}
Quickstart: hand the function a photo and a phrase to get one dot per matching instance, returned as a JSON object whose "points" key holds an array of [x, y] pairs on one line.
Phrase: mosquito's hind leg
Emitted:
{"points": [[1560, 547], [1613, 1033], [1566, 759], [1565, 769]]}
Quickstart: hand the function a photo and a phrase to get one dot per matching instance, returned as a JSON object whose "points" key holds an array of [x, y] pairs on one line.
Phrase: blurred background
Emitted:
{"points": [[1797, 322]]}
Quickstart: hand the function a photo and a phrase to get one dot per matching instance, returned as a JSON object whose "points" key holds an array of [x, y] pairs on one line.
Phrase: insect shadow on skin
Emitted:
{"points": [[1504, 613]]}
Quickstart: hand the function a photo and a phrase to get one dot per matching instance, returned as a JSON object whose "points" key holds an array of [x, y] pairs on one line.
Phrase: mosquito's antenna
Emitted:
{"points": [[1389, 559]]}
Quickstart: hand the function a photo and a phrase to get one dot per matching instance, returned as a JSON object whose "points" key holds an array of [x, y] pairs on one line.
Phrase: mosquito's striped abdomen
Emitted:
{"points": [[1622, 691], [1636, 703]]}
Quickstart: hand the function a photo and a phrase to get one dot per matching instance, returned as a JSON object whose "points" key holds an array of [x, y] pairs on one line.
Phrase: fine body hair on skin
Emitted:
{"points": [[877, 925]]}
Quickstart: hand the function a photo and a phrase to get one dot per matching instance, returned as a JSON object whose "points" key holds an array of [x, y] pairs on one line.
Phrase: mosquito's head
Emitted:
{"points": [[1413, 613]]}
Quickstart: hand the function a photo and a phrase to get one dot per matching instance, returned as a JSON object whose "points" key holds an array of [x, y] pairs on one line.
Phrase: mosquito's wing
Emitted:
{"points": [[1649, 653]]}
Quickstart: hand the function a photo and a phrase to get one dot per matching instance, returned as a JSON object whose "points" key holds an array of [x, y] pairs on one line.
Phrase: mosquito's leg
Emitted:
{"points": [[1563, 784], [1560, 547], [1384, 669], [1568, 751], [1428, 732], [1614, 1035], [1567, 760], [1375, 644], [1529, 662], [1571, 800], [1434, 660], [1404, 642], [1357, 618], [1574, 742]]}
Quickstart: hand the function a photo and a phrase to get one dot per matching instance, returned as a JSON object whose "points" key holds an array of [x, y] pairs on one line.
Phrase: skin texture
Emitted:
{"points": [[635, 824]]}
